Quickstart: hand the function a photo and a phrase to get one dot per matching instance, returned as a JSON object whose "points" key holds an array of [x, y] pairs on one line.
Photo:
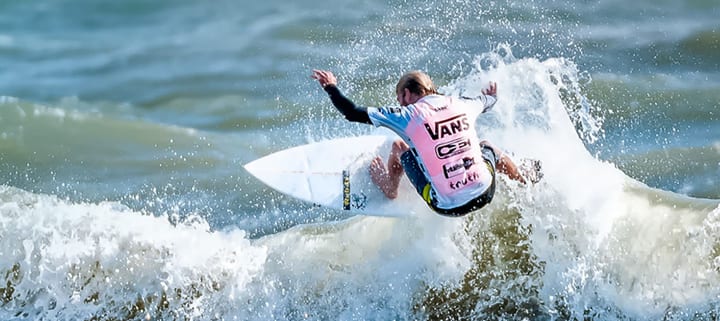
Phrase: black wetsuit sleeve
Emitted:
{"points": [[351, 111]]}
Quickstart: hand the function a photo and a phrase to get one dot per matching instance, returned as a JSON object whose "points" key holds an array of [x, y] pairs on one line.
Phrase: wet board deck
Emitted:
{"points": [[334, 174]]}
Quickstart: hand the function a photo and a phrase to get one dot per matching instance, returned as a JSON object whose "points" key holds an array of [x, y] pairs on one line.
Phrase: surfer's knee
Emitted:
{"points": [[400, 146]]}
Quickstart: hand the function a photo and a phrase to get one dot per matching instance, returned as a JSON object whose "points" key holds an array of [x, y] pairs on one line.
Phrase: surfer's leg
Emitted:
{"points": [[381, 177], [388, 178], [395, 167], [504, 164]]}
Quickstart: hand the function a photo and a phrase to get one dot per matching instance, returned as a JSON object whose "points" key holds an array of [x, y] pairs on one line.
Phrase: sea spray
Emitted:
{"points": [[67, 261]]}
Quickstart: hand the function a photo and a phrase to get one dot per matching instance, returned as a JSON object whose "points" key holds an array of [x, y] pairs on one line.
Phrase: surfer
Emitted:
{"points": [[440, 151]]}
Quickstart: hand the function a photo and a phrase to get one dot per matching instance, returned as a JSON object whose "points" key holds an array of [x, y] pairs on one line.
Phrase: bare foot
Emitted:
{"points": [[387, 182]]}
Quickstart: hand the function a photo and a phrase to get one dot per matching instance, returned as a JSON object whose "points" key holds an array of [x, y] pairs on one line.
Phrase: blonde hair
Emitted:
{"points": [[416, 82]]}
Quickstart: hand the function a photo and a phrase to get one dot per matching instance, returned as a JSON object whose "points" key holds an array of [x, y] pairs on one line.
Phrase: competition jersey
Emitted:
{"points": [[441, 133]]}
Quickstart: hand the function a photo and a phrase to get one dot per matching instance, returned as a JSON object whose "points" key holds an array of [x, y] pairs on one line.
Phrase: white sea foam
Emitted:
{"points": [[587, 240]]}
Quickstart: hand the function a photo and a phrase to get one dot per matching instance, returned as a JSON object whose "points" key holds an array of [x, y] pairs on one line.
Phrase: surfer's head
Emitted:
{"points": [[413, 86]]}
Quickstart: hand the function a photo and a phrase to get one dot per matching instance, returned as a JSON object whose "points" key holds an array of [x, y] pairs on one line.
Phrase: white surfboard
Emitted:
{"points": [[334, 174]]}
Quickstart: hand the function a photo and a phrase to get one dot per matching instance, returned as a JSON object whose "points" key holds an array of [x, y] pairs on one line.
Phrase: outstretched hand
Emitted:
{"points": [[324, 77], [492, 90]]}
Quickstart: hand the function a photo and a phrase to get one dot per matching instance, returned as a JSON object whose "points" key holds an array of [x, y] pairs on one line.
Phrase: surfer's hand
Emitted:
{"points": [[324, 77], [492, 90]]}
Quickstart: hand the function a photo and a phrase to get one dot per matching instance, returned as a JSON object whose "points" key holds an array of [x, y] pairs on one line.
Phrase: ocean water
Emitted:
{"points": [[124, 126]]}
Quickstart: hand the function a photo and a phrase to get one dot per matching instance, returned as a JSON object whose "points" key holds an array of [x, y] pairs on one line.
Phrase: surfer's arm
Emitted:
{"points": [[488, 97], [487, 101], [351, 111]]}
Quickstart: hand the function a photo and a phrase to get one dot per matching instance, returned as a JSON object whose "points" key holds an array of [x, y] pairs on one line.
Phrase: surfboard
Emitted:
{"points": [[334, 174]]}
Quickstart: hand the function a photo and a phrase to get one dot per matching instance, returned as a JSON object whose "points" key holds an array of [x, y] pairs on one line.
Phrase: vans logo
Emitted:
{"points": [[448, 127], [452, 148]]}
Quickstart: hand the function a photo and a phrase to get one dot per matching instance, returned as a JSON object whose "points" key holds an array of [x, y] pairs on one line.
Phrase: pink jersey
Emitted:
{"points": [[441, 130]]}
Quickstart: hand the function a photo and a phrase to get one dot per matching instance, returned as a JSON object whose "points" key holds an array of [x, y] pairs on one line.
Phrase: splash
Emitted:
{"points": [[572, 247], [67, 261]]}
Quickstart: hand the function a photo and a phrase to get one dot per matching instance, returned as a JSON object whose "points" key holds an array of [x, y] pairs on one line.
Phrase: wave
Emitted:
{"points": [[588, 242], [657, 129], [93, 152], [688, 170], [88, 154], [90, 133], [68, 142], [705, 44], [529, 255], [69, 261]]}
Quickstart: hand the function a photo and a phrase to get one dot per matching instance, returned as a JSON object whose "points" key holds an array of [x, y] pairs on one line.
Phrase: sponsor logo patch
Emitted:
{"points": [[467, 180], [346, 190], [458, 167], [441, 108], [452, 148], [391, 110]]}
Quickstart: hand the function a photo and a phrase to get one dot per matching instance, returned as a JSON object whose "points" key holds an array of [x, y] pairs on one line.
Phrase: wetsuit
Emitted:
{"points": [[448, 167]]}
